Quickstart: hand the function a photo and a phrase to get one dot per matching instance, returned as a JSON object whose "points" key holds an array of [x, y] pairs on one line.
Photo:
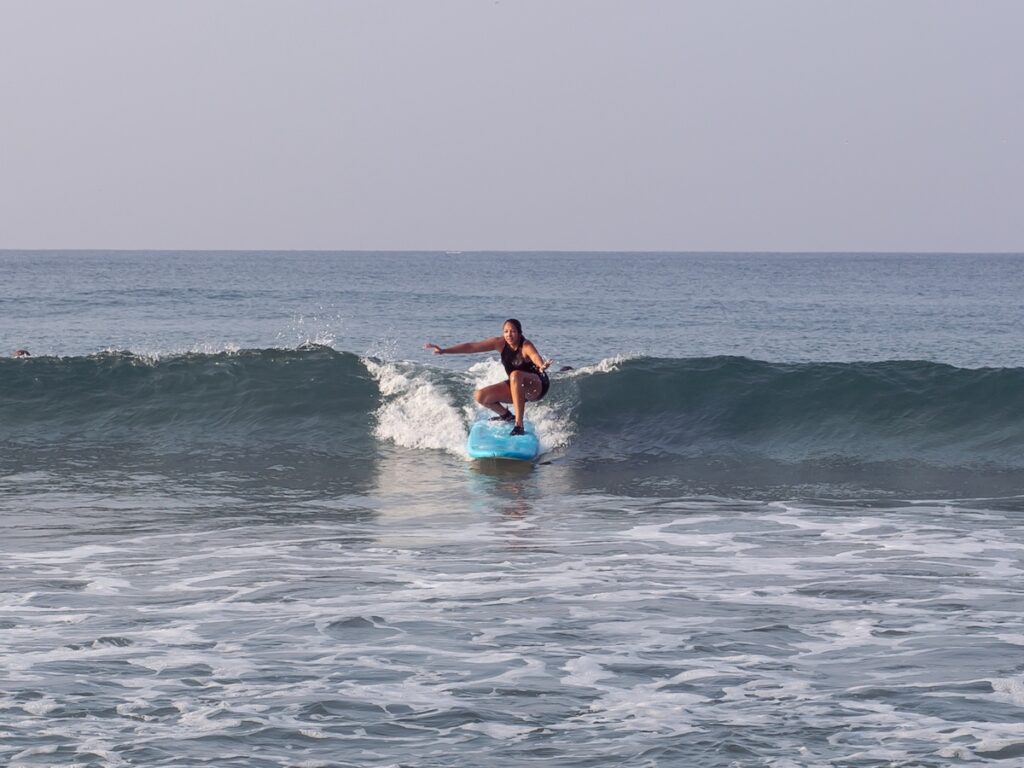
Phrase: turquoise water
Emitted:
{"points": [[777, 521]]}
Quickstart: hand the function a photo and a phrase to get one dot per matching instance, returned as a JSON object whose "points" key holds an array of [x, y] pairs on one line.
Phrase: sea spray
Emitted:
{"points": [[417, 412]]}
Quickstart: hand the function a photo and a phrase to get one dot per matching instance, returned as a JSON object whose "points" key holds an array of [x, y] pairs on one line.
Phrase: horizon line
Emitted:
{"points": [[458, 252]]}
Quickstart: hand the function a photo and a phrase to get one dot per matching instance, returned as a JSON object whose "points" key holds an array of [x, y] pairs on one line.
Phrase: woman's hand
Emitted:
{"points": [[435, 347], [546, 364]]}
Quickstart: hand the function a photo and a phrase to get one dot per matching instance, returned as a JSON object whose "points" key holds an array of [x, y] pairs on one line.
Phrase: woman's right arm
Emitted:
{"points": [[468, 347]]}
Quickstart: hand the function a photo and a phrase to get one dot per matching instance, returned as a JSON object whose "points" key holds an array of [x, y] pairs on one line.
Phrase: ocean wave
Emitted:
{"points": [[878, 411], [701, 417], [314, 394]]}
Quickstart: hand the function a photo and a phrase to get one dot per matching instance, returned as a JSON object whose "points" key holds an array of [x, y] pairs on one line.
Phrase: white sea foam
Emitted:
{"points": [[584, 671], [102, 748], [202, 718], [843, 633], [106, 585], [411, 693], [40, 706], [646, 708], [483, 373], [500, 731], [554, 428], [83, 552], [134, 708], [172, 634], [607, 365], [46, 749], [142, 354], [416, 412], [740, 622], [1010, 688]]}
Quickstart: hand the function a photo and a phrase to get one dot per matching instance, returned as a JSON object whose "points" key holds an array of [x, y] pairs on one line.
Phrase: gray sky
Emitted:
{"points": [[512, 124]]}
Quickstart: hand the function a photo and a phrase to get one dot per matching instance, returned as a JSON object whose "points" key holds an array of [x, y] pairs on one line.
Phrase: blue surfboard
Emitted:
{"points": [[491, 440]]}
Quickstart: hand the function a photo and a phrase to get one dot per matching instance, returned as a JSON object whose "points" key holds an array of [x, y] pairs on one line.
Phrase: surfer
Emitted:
{"points": [[527, 372]]}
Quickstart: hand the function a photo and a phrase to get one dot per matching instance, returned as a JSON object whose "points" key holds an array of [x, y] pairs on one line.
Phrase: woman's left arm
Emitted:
{"points": [[531, 352]]}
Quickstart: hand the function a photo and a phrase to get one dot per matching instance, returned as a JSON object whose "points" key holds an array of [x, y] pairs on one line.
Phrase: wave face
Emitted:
{"points": [[710, 423], [878, 411], [736, 427], [315, 396]]}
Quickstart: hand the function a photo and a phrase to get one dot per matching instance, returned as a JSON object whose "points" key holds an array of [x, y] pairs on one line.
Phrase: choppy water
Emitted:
{"points": [[250, 536]]}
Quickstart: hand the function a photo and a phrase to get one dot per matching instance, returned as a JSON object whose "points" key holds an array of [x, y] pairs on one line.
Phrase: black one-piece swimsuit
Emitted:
{"points": [[513, 360]]}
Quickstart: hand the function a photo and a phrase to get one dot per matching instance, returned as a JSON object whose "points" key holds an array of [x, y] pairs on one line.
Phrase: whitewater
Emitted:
{"points": [[776, 521]]}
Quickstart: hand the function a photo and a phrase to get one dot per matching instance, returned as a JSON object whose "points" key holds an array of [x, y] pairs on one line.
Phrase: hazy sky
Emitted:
{"points": [[512, 124]]}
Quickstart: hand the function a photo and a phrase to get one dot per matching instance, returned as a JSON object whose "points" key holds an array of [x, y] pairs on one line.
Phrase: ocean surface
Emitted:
{"points": [[778, 520]]}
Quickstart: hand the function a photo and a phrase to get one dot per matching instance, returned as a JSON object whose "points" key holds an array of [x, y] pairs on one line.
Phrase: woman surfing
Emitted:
{"points": [[527, 372]]}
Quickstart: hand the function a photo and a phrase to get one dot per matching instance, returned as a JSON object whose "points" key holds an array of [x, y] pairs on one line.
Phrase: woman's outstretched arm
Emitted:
{"points": [[468, 347]]}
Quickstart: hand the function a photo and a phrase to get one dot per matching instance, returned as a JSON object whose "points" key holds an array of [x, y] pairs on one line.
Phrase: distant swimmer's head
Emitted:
{"points": [[513, 332], [22, 353]]}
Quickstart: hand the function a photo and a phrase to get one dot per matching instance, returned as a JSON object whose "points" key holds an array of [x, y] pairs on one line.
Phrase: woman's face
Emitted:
{"points": [[511, 335]]}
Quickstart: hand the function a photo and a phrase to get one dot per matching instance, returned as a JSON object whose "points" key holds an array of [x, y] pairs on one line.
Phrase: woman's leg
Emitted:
{"points": [[493, 396], [524, 386]]}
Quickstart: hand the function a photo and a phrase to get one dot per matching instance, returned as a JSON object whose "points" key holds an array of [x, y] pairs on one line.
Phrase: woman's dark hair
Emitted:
{"points": [[516, 323]]}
